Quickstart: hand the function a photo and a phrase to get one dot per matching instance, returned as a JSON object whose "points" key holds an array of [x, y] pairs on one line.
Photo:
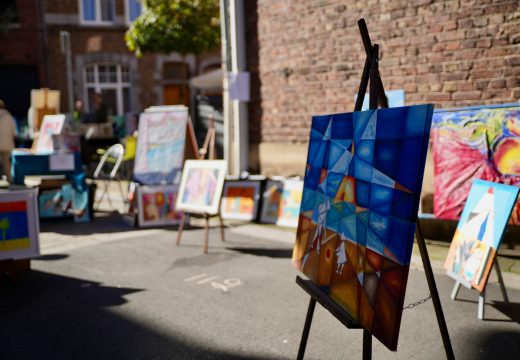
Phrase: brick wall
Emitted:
{"points": [[21, 43], [307, 58]]}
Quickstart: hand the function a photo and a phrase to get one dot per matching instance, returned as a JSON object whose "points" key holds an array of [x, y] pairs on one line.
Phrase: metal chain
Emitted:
{"points": [[420, 302]]}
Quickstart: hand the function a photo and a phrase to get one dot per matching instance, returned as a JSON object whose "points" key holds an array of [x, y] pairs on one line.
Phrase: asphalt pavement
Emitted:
{"points": [[105, 290]]}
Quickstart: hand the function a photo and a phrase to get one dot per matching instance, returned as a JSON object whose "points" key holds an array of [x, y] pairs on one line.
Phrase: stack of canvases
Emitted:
{"points": [[278, 198], [158, 164]]}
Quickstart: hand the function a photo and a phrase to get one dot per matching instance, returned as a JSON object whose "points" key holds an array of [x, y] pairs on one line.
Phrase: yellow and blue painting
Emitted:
{"points": [[14, 226], [357, 218], [480, 232]]}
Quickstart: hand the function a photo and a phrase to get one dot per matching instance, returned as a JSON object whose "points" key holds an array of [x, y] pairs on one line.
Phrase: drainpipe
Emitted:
{"points": [[65, 49], [226, 61], [239, 107], [45, 45]]}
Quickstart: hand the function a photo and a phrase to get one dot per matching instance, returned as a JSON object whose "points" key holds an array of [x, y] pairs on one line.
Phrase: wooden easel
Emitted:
{"points": [[482, 295], [377, 97], [207, 148]]}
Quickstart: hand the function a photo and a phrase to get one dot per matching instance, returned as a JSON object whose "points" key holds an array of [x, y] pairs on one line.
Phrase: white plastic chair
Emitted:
{"points": [[115, 153]]}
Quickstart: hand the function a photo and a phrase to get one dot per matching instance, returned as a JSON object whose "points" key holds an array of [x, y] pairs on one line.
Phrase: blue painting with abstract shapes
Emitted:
{"points": [[361, 194]]}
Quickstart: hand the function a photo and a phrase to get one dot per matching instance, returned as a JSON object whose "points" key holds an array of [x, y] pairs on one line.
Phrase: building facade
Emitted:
{"points": [[101, 61], [306, 58]]}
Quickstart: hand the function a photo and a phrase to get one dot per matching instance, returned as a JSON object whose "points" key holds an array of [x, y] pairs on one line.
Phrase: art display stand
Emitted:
{"points": [[191, 151], [377, 98], [482, 295], [208, 148]]}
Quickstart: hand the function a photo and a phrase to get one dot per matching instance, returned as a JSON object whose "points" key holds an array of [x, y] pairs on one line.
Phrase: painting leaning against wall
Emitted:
{"points": [[357, 218], [474, 144]]}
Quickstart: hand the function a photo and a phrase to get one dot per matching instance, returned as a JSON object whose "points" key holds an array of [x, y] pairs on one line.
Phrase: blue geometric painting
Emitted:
{"points": [[361, 194]]}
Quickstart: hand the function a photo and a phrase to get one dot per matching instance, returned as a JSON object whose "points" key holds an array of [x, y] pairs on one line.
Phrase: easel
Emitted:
{"points": [[482, 295], [207, 148], [377, 97]]}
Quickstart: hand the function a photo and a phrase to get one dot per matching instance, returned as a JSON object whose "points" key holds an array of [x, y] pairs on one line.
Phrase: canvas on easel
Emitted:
{"points": [[479, 232], [357, 218], [160, 146]]}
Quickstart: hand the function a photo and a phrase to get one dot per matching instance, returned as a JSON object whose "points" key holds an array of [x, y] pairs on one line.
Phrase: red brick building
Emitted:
{"points": [[306, 58], [100, 60]]}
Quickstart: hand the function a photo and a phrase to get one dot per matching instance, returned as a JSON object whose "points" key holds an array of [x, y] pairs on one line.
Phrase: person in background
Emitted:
{"points": [[7, 135], [100, 114], [78, 115]]}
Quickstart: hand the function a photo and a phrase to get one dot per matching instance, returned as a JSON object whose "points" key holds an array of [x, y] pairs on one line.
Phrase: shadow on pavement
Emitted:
{"points": [[112, 222], [272, 253], [48, 316], [52, 257], [494, 345], [511, 310]]}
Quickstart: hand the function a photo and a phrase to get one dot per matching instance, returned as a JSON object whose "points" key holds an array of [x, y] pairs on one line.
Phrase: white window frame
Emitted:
{"points": [[98, 86], [97, 8], [127, 11]]}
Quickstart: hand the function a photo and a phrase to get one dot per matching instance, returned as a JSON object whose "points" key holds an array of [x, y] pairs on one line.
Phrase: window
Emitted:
{"points": [[175, 71], [97, 11], [133, 10], [8, 14], [113, 82]]}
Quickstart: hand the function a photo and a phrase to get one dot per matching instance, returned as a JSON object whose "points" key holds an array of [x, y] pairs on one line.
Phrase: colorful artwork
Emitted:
{"points": [[64, 202], [271, 200], [157, 205], [19, 227], [479, 232], [357, 219], [289, 210], [474, 144], [201, 186], [66, 143], [51, 125], [160, 147], [240, 200]]}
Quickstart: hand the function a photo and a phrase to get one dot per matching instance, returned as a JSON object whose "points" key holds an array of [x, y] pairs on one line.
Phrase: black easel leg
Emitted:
{"points": [[367, 345], [434, 293], [306, 328]]}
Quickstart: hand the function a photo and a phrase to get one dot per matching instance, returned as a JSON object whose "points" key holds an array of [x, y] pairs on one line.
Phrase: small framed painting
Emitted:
{"points": [[271, 201], [291, 199], [201, 186], [240, 200], [156, 205], [51, 125], [479, 232], [19, 226]]}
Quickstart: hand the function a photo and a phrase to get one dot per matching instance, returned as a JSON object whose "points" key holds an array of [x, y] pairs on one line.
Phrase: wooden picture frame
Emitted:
{"points": [[201, 186]]}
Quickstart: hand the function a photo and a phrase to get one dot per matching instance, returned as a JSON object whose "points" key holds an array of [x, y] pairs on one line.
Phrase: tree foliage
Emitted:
{"points": [[184, 26]]}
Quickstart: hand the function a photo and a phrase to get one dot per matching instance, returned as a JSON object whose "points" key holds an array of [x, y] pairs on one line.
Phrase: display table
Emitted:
{"points": [[24, 163], [74, 198]]}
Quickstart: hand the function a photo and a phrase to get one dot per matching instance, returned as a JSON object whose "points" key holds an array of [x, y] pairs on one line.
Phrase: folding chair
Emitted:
{"points": [[115, 153]]}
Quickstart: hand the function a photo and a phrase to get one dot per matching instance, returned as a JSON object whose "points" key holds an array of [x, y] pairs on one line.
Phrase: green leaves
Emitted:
{"points": [[184, 26]]}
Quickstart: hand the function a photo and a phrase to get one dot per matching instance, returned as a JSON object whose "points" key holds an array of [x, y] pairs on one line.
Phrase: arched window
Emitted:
{"points": [[112, 80]]}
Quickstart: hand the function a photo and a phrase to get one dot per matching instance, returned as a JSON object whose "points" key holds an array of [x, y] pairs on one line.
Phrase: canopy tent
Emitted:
{"points": [[210, 81]]}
